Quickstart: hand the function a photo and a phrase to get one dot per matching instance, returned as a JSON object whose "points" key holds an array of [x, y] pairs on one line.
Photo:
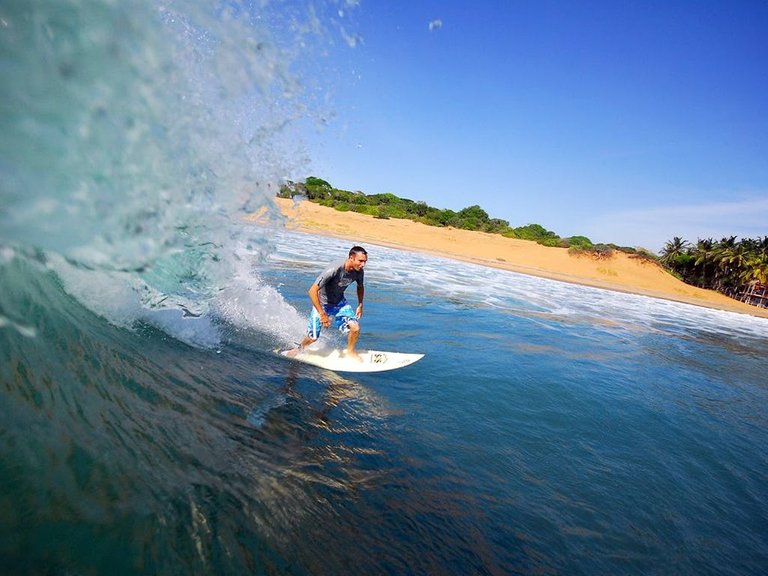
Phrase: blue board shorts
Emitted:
{"points": [[342, 314]]}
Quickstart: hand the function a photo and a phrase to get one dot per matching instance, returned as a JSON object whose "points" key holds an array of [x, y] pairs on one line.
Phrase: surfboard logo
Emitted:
{"points": [[378, 358]]}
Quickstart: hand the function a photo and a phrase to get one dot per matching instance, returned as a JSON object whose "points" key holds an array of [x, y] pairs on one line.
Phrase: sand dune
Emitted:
{"points": [[621, 272]]}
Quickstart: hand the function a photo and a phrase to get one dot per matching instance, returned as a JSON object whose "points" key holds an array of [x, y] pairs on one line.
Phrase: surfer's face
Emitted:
{"points": [[357, 261]]}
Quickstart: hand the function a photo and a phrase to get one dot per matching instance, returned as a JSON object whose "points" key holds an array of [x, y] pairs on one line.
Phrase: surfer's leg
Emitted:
{"points": [[314, 327], [348, 323], [351, 327], [306, 342], [303, 344], [352, 336]]}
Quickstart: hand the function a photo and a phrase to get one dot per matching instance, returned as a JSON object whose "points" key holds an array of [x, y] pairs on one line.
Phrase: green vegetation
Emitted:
{"points": [[469, 218], [727, 266]]}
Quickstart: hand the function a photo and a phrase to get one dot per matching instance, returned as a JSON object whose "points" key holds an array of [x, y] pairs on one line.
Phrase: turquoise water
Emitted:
{"points": [[146, 428], [550, 429]]}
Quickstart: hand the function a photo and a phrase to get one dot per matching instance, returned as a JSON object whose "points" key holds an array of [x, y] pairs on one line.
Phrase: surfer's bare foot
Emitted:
{"points": [[292, 353], [354, 355]]}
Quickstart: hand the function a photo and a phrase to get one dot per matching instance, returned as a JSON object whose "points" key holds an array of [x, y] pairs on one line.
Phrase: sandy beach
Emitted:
{"points": [[621, 272]]}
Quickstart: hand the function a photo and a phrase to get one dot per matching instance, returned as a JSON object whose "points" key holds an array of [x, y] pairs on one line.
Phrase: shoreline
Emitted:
{"points": [[620, 273]]}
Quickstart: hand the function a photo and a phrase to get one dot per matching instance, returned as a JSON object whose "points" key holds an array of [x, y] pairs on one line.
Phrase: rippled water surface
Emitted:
{"points": [[147, 428], [550, 429]]}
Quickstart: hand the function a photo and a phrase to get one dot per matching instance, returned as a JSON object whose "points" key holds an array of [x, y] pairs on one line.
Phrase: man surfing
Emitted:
{"points": [[328, 301]]}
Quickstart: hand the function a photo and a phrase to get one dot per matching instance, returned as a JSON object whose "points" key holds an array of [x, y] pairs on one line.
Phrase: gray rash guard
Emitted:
{"points": [[334, 280]]}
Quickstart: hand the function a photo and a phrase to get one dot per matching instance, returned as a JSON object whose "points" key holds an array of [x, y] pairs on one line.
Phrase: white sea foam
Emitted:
{"points": [[247, 302], [244, 302], [516, 293]]}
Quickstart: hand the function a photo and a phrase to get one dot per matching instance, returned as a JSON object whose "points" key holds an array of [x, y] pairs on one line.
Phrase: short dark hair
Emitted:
{"points": [[357, 250]]}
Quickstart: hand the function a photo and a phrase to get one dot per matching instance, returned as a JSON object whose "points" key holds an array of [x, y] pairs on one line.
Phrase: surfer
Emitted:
{"points": [[328, 301]]}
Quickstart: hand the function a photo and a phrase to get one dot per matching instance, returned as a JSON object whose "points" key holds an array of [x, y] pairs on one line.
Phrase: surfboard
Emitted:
{"points": [[371, 360]]}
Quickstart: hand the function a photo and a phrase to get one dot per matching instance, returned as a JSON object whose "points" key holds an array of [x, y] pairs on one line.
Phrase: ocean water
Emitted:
{"points": [[146, 428], [550, 429]]}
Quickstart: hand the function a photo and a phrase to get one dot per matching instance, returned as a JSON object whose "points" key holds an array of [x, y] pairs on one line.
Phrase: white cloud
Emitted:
{"points": [[652, 227], [435, 25]]}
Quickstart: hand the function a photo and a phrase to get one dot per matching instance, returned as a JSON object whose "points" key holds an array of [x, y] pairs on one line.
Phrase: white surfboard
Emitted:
{"points": [[370, 360]]}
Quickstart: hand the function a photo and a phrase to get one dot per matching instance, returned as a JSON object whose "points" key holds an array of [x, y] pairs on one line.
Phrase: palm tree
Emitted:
{"points": [[762, 245], [672, 250], [727, 266], [725, 258], [756, 269], [704, 256]]}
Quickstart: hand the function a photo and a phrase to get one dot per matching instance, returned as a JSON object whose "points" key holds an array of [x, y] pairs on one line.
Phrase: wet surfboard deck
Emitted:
{"points": [[338, 361]]}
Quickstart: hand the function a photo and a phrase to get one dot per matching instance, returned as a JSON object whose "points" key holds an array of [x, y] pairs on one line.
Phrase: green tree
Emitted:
{"points": [[534, 232], [728, 265], [317, 183], [705, 261], [673, 249], [578, 241], [474, 212]]}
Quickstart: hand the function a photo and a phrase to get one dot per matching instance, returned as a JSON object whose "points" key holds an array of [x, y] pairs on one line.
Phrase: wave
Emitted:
{"points": [[136, 140], [108, 438]]}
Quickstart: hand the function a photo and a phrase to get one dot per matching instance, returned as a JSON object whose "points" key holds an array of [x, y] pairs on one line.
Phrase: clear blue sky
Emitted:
{"points": [[627, 122]]}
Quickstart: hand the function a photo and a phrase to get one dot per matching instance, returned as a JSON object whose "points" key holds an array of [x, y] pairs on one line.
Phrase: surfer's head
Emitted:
{"points": [[357, 258]]}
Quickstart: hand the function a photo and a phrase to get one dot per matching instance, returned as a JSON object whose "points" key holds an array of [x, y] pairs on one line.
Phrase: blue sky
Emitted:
{"points": [[627, 122]]}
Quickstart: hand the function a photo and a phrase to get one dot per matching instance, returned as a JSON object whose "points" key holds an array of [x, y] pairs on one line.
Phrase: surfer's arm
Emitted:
{"points": [[360, 296]]}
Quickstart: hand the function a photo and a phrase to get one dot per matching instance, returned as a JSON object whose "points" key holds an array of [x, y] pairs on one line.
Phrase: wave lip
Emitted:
{"points": [[135, 141]]}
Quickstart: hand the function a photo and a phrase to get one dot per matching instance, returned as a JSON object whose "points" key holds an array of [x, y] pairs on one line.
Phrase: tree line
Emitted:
{"points": [[470, 218], [728, 266]]}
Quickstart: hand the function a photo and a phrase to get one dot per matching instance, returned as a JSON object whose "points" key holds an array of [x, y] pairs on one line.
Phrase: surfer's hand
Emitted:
{"points": [[359, 311], [325, 321]]}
